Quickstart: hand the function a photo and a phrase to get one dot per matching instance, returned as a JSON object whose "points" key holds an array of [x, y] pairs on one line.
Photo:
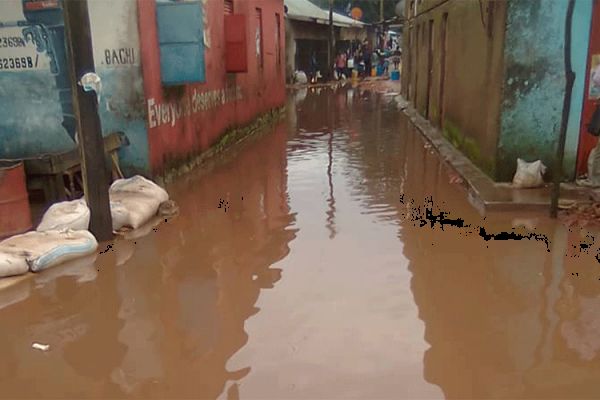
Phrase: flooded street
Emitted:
{"points": [[293, 271]]}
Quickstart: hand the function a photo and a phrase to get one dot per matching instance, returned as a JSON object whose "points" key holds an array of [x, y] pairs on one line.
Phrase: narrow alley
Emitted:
{"points": [[294, 270]]}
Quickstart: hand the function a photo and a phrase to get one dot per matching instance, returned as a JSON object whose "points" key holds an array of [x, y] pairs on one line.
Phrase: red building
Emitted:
{"points": [[186, 119]]}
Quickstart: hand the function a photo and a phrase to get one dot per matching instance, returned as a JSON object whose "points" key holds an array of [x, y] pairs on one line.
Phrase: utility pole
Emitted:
{"points": [[331, 52], [560, 149], [89, 130], [381, 11]]}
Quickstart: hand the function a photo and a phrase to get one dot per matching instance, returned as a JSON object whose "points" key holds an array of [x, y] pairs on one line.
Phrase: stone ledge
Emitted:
{"points": [[485, 194]]}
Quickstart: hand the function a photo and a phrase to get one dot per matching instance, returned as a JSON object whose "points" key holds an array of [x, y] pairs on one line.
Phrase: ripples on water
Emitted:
{"points": [[312, 283]]}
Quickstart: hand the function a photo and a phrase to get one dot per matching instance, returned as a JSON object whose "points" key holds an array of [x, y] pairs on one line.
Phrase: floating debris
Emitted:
{"points": [[41, 347]]}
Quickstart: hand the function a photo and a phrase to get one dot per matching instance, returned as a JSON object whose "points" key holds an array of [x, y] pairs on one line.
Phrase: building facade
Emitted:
{"points": [[307, 32], [165, 121], [491, 75]]}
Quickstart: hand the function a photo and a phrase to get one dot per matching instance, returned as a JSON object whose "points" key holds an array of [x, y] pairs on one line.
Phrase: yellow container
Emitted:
{"points": [[373, 71]]}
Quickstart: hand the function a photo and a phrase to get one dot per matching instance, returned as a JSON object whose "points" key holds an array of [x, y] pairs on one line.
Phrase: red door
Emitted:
{"points": [[591, 94]]}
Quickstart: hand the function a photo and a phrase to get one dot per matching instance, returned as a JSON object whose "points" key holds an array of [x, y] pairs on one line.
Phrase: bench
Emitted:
{"points": [[48, 172]]}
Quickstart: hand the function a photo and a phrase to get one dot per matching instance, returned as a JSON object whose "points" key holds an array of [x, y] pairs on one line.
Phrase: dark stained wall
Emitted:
{"points": [[464, 97]]}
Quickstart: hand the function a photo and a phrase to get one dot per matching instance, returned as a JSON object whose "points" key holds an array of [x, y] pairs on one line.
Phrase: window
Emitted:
{"points": [[180, 37], [259, 38], [278, 38], [228, 7]]}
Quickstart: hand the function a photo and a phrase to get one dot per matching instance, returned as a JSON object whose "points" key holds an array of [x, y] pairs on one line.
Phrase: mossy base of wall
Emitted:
{"points": [[229, 138], [469, 148]]}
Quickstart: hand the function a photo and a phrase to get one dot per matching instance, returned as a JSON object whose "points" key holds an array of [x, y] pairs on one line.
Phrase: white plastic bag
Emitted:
{"points": [[529, 175], [73, 215], [41, 250]]}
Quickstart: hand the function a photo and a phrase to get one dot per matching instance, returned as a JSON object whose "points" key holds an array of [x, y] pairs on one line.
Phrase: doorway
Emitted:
{"points": [[429, 69], [443, 49]]}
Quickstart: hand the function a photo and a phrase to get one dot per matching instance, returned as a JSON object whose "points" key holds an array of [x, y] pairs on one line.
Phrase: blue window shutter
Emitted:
{"points": [[181, 41]]}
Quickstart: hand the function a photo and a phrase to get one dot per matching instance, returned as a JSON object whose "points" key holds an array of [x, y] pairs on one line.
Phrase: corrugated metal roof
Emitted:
{"points": [[304, 10]]}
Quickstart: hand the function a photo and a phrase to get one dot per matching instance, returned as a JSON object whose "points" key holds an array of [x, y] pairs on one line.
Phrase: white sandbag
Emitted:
{"points": [[140, 208], [529, 175], [140, 185], [43, 250], [73, 215], [83, 269], [11, 263], [119, 214]]}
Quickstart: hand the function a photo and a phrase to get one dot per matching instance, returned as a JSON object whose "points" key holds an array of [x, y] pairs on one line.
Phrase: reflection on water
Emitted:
{"points": [[309, 283], [159, 315]]}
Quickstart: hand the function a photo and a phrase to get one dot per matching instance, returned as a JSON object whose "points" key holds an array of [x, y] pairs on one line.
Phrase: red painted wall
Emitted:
{"points": [[586, 141], [196, 127]]}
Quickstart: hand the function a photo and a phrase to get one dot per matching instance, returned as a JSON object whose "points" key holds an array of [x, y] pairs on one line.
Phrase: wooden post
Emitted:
{"points": [[560, 149], [85, 106], [331, 52]]}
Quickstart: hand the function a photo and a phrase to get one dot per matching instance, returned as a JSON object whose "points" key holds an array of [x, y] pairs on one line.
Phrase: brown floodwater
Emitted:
{"points": [[295, 270]]}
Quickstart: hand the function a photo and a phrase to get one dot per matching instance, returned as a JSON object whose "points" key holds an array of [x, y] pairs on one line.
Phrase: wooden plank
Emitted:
{"points": [[50, 164]]}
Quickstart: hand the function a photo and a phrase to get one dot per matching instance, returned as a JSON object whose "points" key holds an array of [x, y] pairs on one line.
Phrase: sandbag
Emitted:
{"points": [[139, 185], [12, 263], [134, 201], [42, 250], [139, 208], [73, 215], [529, 175]]}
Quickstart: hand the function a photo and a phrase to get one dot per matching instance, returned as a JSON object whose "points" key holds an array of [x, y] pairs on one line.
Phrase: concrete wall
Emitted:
{"points": [[535, 82], [185, 120], [32, 114], [468, 110]]}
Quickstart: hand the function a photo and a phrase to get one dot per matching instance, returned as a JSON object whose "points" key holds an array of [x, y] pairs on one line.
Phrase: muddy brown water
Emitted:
{"points": [[293, 271]]}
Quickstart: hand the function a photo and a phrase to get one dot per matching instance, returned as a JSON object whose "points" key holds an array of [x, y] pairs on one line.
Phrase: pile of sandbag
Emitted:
{"points": [[63, 232], [36, 251], [133, 202]]}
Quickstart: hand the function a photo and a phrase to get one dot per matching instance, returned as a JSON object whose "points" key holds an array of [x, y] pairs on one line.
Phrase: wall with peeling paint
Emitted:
{"points": [[32, 112], [534, 82], [183, 121], [586, 140]]}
